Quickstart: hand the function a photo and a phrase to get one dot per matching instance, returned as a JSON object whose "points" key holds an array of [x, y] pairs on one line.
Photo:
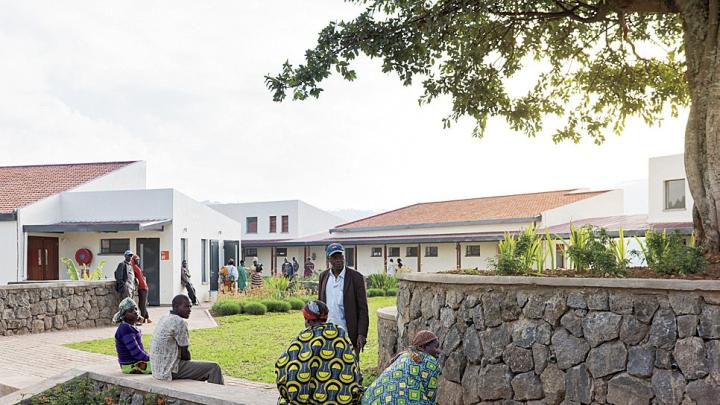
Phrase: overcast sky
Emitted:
{"points": [[180, 85]]}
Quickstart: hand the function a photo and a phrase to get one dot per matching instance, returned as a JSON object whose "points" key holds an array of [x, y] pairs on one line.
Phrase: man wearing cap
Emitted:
{"points": [[125, 277], [343, 290]]}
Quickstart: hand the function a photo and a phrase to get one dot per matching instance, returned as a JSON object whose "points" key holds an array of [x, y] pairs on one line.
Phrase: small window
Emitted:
{"points": [[394, 252], [114, 246], [431, 251], [560, 256], [251, 225], [285, 224], [472, 250], [675, 194], [273, 224], [183, 249], [376, 252], [350, 257], [250, 252], [281, 252], [411, 251]]}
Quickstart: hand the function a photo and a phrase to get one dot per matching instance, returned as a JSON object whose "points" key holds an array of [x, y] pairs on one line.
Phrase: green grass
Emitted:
{"points": [[246, 346]]}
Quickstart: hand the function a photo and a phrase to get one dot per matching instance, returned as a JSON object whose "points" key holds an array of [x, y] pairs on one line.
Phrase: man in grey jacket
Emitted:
{"points": [[125, 277]]}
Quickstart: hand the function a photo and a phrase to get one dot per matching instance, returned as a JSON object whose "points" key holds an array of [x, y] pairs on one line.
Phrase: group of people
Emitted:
{"points": [[320, 365], [129, 279]]}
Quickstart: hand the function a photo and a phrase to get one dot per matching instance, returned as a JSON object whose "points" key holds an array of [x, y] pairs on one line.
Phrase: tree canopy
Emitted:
{"points": [[601, 61]]}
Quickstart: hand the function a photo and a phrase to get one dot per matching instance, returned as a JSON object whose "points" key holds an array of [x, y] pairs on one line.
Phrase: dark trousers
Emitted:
{"points": [[200, 371], [191, 293], [142, 303]]}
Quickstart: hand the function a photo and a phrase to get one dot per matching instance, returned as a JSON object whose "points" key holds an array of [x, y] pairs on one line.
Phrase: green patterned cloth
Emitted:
{"points": [[410, 380]]}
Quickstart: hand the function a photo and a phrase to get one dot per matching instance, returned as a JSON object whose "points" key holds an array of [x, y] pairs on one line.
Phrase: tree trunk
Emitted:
{"points": [[702, 134]]}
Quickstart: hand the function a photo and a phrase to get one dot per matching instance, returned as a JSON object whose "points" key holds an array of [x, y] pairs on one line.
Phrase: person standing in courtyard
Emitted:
{"points": [[391, 268], [295, 267], [416, 370], [309, 268], [343, 289], [232, 275], [142, 289], [132, 356], [125, 276], [257, 278], [242, 277], [170, 348], [186, 283], [286, 268]]}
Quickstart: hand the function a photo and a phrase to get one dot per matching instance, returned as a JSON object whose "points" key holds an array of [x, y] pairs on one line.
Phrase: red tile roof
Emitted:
{"points": [[474, 209], [23, 185]]}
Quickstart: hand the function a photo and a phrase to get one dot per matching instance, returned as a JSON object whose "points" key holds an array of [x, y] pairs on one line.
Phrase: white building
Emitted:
{"points": [[266, 226], [669, 199], [52, 211]]}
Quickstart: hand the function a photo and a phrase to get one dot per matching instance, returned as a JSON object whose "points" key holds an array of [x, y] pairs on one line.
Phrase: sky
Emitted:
{"points": [[180, 85]]}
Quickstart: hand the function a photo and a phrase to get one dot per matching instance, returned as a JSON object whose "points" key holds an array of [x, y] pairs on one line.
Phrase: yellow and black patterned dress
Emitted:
{"points": [[319, 367]]}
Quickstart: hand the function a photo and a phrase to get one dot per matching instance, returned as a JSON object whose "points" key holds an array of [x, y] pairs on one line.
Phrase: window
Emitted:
{"points": [[350, 257], [251, 225], [394, 252], [411, 251], [376, 252], [431, 251], [285, 223], [281, 252], [472, 250], [203, 260], [114, 246], [675, 194], [560, 256], [250, 252], [273, 224], [183, 249]]}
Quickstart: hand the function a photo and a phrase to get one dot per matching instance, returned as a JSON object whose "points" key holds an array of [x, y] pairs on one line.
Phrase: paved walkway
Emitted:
{"points": [[29, 359]]}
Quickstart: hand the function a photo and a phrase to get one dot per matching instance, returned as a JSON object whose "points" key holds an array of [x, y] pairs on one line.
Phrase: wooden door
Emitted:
{"points": [[43, 263]]}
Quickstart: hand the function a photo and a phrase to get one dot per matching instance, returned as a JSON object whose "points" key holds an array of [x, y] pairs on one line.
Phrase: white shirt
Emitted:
{"points": [[334, 296], [170, 333], [390, 269]]}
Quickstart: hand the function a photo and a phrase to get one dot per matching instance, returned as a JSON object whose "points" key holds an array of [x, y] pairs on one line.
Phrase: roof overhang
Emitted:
{"points": [[8, 216], [520, 220], [108, 226]]}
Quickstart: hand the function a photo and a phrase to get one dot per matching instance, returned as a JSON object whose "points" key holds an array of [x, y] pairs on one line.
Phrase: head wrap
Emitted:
{"points": [[125, 305], [422, 338], [315, 311]]}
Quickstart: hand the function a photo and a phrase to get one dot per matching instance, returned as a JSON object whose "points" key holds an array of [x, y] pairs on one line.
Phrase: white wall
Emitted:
{"points": [[604, 205], [130, 177], [662, 169], [314, 220], [8, 251], [263, 211], [117, 205]]}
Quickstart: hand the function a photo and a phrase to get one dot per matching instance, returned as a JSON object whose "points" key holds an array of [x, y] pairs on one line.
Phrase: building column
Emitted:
{"points": [[418, 258], [355, 254], [272, 261], [459, 255], [385, 259]]}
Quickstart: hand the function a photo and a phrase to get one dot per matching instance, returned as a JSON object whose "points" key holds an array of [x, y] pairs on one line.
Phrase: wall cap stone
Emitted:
{"points": [[30, 285], [625, 283], [387, 313]]}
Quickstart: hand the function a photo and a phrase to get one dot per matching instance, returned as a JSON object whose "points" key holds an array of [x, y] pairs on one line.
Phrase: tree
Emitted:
{"points": [[603, 61]]}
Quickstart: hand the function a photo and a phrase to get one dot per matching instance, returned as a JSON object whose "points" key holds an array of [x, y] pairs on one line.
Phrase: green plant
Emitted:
{"points": [[669, 253], [619, 249], [278, 286], [255, 308], [391, 292], [517, 254], [276, 305], [227, 307], [381, 280], [84, 273], [295, 303], [590, 249], [375, 292]]}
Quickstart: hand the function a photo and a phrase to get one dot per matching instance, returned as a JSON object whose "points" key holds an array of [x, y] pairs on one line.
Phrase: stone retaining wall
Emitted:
{"points": [[574, 341], [41, 307]]}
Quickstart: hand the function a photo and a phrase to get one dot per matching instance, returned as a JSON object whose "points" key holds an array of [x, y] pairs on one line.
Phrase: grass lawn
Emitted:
{"points": [[247, 346]]}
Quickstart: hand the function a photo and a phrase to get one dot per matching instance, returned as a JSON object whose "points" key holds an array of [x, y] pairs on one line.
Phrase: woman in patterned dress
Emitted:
{"points": [[412, 377], [319, 366]]}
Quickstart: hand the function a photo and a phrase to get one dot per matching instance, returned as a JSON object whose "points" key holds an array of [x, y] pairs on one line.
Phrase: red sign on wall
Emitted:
{"points": [[164, 255]]}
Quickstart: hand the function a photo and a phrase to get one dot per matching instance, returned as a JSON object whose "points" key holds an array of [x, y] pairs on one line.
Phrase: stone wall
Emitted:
{"points": [[42, 307], [573, 341]]}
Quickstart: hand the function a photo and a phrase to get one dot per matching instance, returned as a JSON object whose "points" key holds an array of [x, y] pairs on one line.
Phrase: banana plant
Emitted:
{"points": [[84, 273]]}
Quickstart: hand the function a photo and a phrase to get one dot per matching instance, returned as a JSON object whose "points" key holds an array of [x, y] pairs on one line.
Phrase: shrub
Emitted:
{"points": [[296, 303], [375, 292], [591, 249], [307, 298], [669, 253], [227, 307], [255, 308], [391, 292], [278, 286], [276, 305]]}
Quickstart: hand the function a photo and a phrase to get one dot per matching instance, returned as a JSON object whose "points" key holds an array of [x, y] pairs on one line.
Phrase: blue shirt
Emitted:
{"points": [[334, 295]]}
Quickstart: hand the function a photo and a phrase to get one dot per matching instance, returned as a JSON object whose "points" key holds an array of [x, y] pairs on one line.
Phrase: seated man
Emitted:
{"points": [[320, 365], [169, 351], [416, 369], [128, 341]]}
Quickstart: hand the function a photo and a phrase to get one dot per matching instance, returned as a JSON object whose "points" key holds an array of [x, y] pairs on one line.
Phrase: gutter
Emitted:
{"points": [[8, 216], [438, 224]]}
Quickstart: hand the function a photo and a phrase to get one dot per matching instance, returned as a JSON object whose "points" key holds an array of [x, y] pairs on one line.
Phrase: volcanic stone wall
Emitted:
{"points": [[573, 341]]}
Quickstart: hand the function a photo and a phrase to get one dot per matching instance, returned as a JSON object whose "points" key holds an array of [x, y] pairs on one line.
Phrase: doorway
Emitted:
{"points": [[214, 264], [42, 256], [148, 249], [231, 250]]}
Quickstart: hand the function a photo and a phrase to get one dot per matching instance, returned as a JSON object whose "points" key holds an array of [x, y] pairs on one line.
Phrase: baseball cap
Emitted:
{"points": [[128, 253], [334, 248]]}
